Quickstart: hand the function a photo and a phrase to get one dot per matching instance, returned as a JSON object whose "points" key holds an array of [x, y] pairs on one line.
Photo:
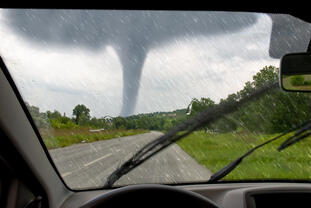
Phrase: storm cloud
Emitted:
{"points": [[131, 33]]}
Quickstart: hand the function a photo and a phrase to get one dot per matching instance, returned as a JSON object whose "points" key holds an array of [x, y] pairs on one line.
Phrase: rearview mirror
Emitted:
{"points": [[295, 72]]}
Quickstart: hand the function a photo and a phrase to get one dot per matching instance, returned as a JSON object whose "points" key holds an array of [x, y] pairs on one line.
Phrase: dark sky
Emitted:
{"points": [[131, 33], [134, 33]]}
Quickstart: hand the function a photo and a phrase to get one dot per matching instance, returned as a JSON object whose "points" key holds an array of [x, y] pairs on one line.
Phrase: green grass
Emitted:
{"points": [[56, 138], [214, 151]]}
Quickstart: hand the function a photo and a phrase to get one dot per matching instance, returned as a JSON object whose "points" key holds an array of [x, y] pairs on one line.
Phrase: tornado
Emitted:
{"points": [[131, 33], [132, 58]]}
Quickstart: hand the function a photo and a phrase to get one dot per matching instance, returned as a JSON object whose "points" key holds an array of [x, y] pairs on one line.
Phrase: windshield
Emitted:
{"points": [[101, 84]]}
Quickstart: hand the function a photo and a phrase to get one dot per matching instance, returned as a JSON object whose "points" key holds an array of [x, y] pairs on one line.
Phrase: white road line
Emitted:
{"points": [[94, 161]]}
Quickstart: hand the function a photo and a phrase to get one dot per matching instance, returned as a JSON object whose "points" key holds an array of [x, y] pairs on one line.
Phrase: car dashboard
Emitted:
{"points": [[257, 195], [226, 195]]}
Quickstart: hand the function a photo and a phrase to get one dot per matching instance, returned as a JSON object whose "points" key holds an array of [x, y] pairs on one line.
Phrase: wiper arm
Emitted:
{"points": [[203, 118], [231, 166], [298, 136]]}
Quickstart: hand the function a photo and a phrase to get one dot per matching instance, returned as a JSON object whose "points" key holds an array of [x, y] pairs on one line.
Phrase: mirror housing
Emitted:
{"points": [[295, 72]]}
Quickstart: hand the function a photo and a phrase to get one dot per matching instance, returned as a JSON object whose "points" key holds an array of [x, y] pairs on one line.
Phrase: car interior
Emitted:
{"points": [[30, 179]]}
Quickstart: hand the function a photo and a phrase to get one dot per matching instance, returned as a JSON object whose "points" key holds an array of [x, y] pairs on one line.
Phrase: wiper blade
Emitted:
{"points": [[298, 136], [231, 166], [203, 118]]}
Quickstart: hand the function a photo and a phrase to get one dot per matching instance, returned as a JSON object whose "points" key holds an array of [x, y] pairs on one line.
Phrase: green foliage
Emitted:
{"points": [[82, 114], [197, 106], [58, 121], [119, 122], [297, 80], [277, 111], [62, 123], [54, 115], [67, 137], [225, 124], [222, 125], [100, 123], [152, 121], [168, 124], [41, 120], [265, 75]]}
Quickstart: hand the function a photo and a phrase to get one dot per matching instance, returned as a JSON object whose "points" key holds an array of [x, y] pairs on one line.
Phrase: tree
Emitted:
{"points": [[119, 122], [197, 106], [40, 119], [265, 75], [82, 114], [54, 115], [276, 111]]}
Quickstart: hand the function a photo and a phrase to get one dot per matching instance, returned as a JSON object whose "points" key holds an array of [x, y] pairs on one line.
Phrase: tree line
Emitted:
{"points": [[81, 118], [277, 111]]}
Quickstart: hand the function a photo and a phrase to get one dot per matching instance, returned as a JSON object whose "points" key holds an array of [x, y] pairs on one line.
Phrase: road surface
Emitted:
{"points": [[89, 164]]}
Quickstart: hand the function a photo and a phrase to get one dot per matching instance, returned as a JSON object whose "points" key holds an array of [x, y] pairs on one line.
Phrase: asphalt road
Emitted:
{"points": [[88, 165]]}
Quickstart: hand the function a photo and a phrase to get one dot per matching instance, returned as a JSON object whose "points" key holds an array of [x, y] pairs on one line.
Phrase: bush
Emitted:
{"points": [[297, 80], [58, 124]]}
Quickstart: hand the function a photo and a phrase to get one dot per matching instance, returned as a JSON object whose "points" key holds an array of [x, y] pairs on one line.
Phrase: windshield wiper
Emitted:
{"points": [[231, 166], [296, 138], [182, 130]]}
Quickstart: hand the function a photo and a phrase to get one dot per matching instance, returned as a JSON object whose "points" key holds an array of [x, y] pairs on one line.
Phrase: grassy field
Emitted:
{"points": [[55, 138], [214, 151]]}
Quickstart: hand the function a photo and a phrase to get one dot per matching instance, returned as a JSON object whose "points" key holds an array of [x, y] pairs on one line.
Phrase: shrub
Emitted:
{"points": [[58, 124], [297, 80]]}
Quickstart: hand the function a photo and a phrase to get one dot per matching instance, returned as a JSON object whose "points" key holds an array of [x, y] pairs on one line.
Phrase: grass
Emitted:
{"points": [[214, 151], [56, 138]]}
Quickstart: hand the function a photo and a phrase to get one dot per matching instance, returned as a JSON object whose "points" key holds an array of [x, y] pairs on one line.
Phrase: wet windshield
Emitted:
{"points": [[100, 85]]}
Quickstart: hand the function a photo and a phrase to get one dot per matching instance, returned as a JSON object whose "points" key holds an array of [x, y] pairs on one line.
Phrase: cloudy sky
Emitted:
{"points": [[56, 77]]}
